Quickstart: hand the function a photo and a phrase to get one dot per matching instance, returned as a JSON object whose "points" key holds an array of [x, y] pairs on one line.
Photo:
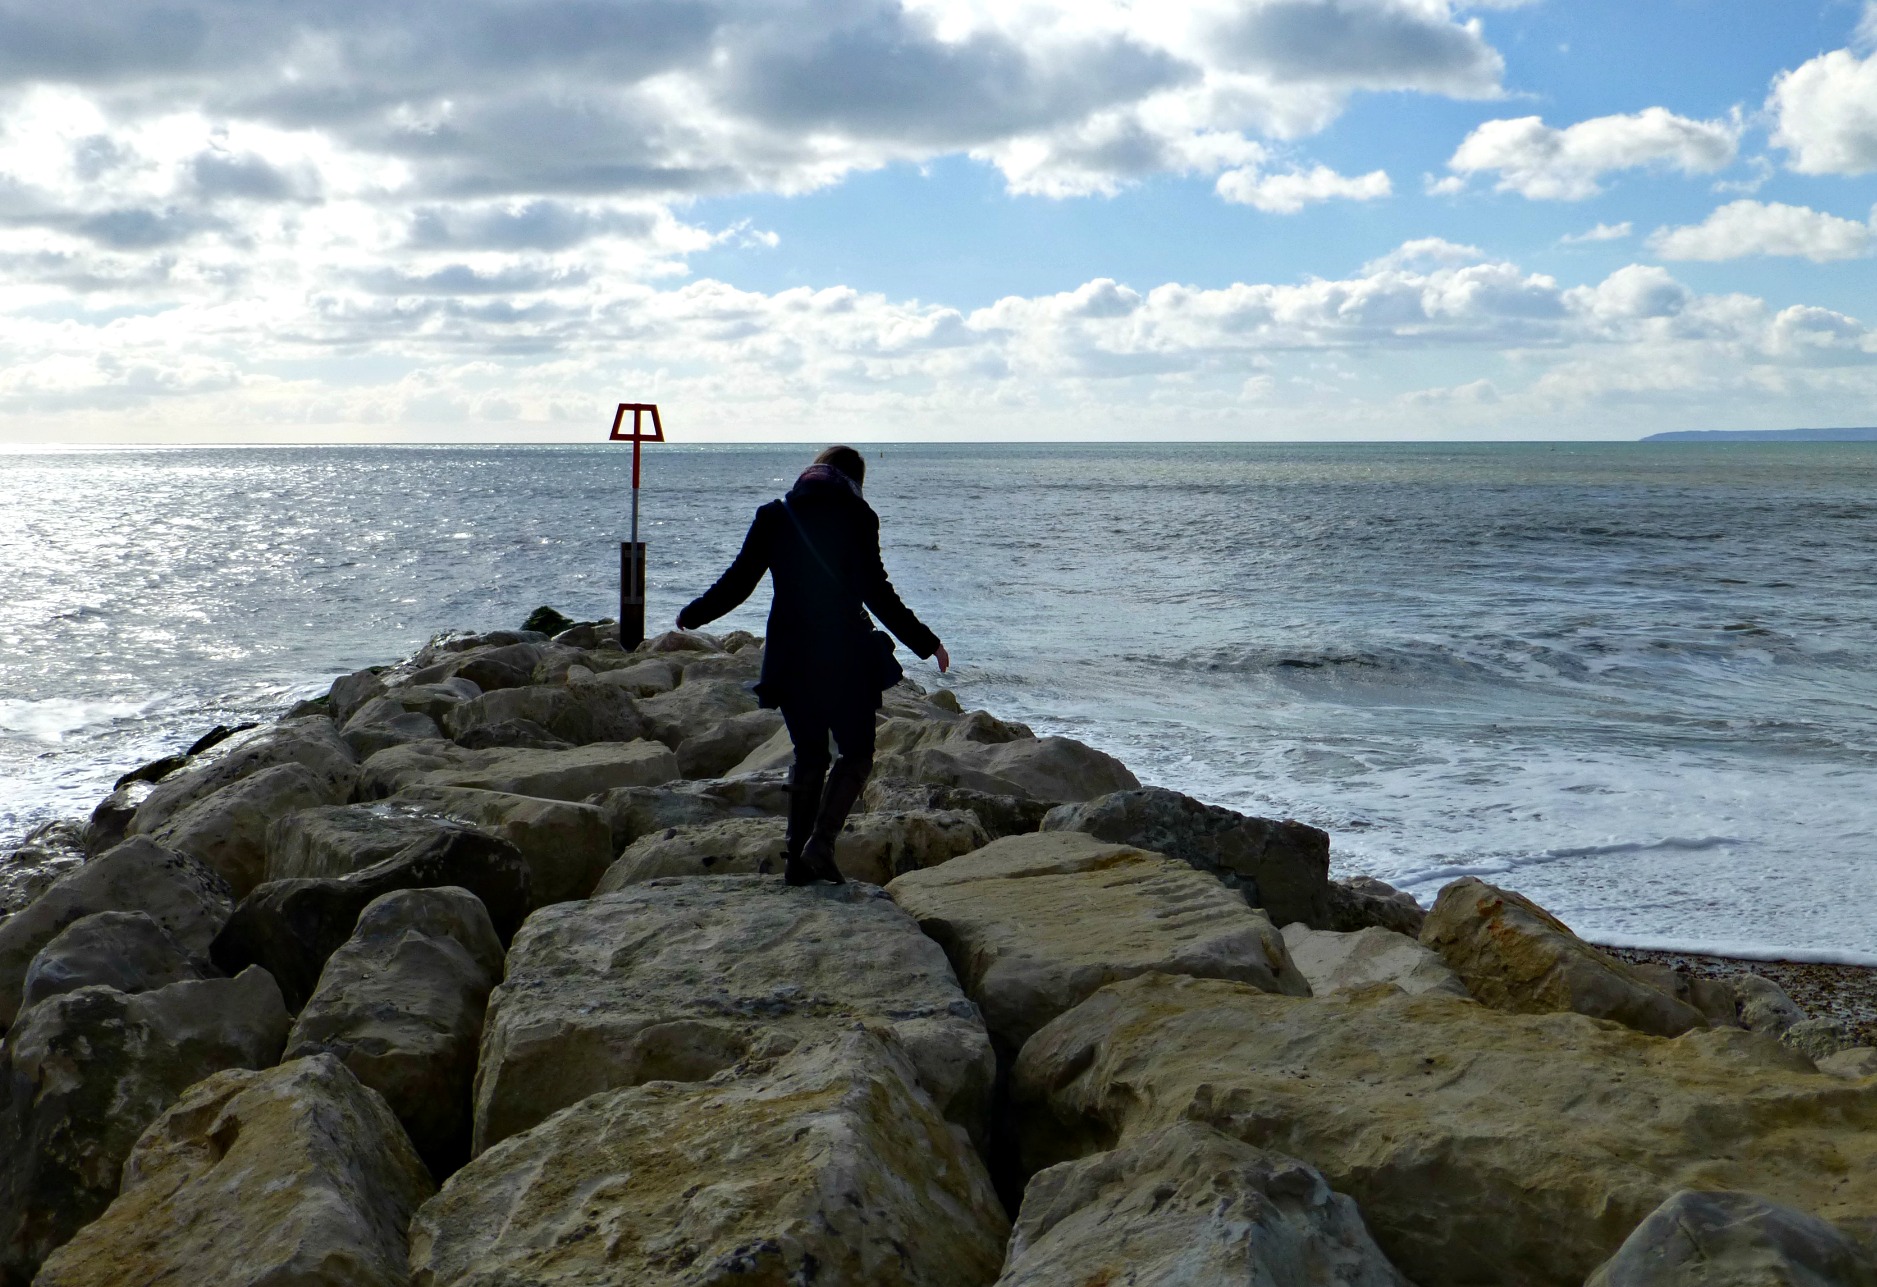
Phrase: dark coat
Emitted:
{"points": [[818, 651]]}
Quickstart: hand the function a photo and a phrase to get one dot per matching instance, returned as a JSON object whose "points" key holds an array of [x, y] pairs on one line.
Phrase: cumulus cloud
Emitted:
{"points": [[1825, 111], [1287, 193], [1602, 232], [1743, 228], [1545, 163]]}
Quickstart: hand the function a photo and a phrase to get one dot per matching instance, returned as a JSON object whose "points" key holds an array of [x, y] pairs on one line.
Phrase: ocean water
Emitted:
{"points": [[1631, 680]]}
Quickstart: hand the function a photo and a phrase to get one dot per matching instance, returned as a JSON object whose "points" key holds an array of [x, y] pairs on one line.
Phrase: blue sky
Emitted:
{"points": [[248, 220]]}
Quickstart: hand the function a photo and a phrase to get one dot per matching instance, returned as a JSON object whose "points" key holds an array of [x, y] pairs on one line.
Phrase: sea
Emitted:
{"points": [[1630, 680]]}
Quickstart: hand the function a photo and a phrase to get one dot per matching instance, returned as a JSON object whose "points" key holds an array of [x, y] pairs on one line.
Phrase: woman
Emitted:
{"points": [[823, 663]]}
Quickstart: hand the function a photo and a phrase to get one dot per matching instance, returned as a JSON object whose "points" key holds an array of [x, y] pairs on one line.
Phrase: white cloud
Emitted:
{"points": [[1602, 232], [1287, 193], [1743, 228], [1544, 163], [1825, 112]]}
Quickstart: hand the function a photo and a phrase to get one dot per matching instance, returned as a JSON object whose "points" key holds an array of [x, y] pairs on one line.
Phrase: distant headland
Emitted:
{"points": [[1765, 435]]}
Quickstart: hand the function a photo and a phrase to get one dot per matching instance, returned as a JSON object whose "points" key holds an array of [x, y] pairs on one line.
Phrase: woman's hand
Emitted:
{"points": [[944, 659]]}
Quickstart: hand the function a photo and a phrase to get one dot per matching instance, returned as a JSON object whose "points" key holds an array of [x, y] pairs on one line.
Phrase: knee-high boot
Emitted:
{"points": [[845, 783], [805, 789]]}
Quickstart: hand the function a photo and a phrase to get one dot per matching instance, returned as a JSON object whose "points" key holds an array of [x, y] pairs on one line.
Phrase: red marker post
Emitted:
{"points": [[632, 553]]}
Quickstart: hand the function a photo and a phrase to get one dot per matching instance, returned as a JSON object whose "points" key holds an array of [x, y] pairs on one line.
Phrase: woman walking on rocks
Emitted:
{"points": [[823, 663]]}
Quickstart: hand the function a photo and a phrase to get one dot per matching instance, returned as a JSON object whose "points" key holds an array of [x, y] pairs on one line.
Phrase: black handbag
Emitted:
{"points": [[884, 664]]}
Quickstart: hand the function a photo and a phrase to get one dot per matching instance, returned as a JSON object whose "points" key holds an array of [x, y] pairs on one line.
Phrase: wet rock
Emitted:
{"points": [[1513, 955], [631, 812], [1186, 1204], [575, 713], [178, 892], [110, 820], [828, 1167], [567, 846], [680, 979], [547, 621], [291, 927], [1764, 1005], [400, 1003], [156, 770], [1336, 963], [690, 709], [87, 1071], [874, 847], [726, 743], [384, 722], [1482, 1146], [340, 839], [296, 1174], [128, 951], [47, 853], [1035, 924], [1363, 901], [1000, 815], [1735, 1240], [312, 743], [1282, 867], [228, 830]]}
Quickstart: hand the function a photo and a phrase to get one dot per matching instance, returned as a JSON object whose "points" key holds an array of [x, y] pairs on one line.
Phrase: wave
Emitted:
{"points": [[1740, 951], [53, 719]]}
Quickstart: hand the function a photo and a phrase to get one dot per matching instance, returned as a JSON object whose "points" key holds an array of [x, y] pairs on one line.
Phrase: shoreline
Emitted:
{"points": [[1824, 990]]}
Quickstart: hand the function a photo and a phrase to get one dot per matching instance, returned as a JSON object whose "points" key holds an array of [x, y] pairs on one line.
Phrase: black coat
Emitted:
{"points": [[818, 650]]}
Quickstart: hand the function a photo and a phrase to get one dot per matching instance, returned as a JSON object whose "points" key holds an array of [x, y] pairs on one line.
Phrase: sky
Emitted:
{"points": [[891, 220]]}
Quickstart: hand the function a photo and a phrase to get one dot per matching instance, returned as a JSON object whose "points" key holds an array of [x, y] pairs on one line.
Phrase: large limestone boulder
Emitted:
{"points": [[1481, 1146], [642, 677], [874, 847], [1362, 902], [48, 853], [690, 709], [340, 839], [1514, 955], [576, 713], [296, 1174], [383, 722], [349, 692], [1735, 1240], [742, 667], [680, 979], [1183, 1205], [632, 812], [291, 927], [128, 951], [1035, 924], [488, 666], [571, 775], [391, 770], [178, 892], [719, 747], [1058, 769], [228, 830], [999, 815], [1336, 963], [87, 1071], [312, 742], [828, 1166], [567, 846], [400, 1003], [1282, 867]]}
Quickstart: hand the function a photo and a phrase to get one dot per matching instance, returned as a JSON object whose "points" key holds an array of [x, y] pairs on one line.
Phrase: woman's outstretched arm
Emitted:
{"points": [[738, 582], [877, 592]]}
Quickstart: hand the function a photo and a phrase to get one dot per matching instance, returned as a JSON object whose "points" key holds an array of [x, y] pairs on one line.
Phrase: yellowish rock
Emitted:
{"points": [[1035, 924], [1482, 1147]]}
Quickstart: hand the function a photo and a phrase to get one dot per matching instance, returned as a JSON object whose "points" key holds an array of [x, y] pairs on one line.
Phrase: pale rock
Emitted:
{"points": [[291, 927], [1282, 867], [726, 743], [178, 892], [488, 667], [435, 700], [391, 770], [679, 641], [292, 1175], [1764, 1005], [1714, 998], [1820, 1038], [828, 1167], [567, 846], [1000, 815], [110, 820], [641, 678], [1482, 1147], [873, 847], [1058, 769], [570, 775], [512, 734], [1186, 1205], [400, 1003], [87, 1071], [1735, 1240], [1513, 955], [383, 722], [313, 743], [228, 830], [575, 713], [340, 839], [128, 951], [773, 756], [1035, 924], [1851, 1064], [1368, 958], [901, 735], [680, 979], [349, 692], [632, 812], [740, 668], [690, 709]]}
